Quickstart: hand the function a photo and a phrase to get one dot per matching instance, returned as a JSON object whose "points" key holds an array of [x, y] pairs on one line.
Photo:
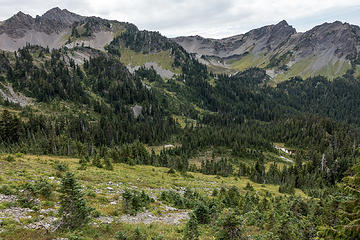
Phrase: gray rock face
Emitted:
{"points": [[52, 21], [49, 29], [342, 36], [137, 109], [63, 17], [261, 39], [17, 25], [326, 43]]}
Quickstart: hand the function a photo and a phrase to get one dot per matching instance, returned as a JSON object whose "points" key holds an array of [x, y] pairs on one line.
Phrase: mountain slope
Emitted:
{"points": [[48, 30], [57, 28], [328, 49]]}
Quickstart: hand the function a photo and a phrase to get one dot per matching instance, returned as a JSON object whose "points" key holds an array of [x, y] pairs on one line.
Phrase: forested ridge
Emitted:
{"points": [[89, 112]]}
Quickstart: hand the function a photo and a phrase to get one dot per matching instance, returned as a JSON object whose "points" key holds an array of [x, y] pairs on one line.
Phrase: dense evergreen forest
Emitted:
{"points": [[240, 117]]}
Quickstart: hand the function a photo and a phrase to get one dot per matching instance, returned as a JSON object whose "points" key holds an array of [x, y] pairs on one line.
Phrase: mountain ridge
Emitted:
{"points": [[329, 49], [280, 49]]}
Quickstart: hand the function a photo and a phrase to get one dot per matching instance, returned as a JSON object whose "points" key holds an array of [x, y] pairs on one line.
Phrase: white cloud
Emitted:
{"points": [[210, 18]]}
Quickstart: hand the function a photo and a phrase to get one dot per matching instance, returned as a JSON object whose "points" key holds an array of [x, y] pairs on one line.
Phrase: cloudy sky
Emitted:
{"points": [[208, 18]]}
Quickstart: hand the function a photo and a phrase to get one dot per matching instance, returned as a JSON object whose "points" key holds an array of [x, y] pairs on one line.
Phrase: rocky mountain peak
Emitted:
{"points": [[61, 16], [54, 20], [20, 17], [17, 24], [283, 26], [283, 23], [340, 38]]}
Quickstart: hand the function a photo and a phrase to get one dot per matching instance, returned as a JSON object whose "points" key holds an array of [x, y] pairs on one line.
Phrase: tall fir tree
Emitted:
{"points": [[73, 209]]}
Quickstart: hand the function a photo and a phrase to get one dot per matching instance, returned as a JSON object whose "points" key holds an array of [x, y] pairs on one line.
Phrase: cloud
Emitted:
{"points": [[210, 18]]}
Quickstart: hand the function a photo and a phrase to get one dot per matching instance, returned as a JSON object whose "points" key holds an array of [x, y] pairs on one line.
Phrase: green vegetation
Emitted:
{"points": [[134, 201], [73, 210], [249, 61], [132, 58], [191, 157], [303, 68]]}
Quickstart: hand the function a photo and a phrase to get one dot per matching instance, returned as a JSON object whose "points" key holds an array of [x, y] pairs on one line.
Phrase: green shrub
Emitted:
{"points": [[97, 162], [230, 226], [6, 190], [175, 199], [95, 214], [83, 163], [91, 194], [191, 231], [138, 235], [43, 188], [249, 187], [202, 213], [19, 155], [27, 196], [134, 201], [121, 236], [62, 167], [287, 188], [108, 164], [215, 192], [10, 158], [171, 171]]}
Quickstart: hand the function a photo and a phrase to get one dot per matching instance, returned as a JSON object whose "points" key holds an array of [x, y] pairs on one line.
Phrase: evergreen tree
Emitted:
{"points": [[83, 163], [202, 213], [10, 127], [230, 226], [108, 163], [73, 209], [97, 162], [349, 214], [191, 231]]}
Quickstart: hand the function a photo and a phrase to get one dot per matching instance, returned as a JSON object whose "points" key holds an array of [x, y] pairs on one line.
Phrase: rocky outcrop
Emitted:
{"points": [[262, 39], [48, 30], [54, 20]]}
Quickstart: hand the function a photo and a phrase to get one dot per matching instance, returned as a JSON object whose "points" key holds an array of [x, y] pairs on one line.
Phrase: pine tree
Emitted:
{"points": [[97, 162], [73, 209], [10, 127], [82, 163], [191, 231], [202, 213], [230, 226], [108, 163], [350, 214]]}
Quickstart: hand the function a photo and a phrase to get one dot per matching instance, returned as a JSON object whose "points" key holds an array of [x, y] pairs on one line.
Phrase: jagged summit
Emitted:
{"points": [[19, 17], [55, 10], [283, 22], [62, 16]]}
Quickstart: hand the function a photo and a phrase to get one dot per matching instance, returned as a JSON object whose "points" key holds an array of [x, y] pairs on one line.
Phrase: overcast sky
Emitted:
{"points": [[208, 18]]}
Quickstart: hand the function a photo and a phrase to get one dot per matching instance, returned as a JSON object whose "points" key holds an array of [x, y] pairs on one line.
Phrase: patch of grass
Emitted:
{"points": [[163, 59], [249, 61], [303, 68]]}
